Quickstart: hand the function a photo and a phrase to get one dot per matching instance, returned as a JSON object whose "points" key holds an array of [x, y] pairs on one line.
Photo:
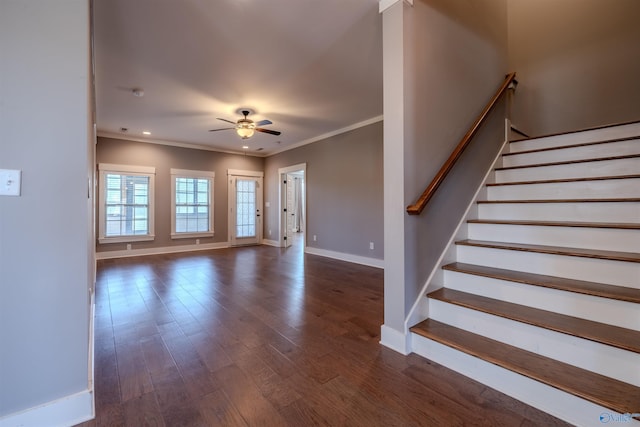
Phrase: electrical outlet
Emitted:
{"points": [[128, 246], [269, 232], [371, 245], [197, 241], [315, 238]]}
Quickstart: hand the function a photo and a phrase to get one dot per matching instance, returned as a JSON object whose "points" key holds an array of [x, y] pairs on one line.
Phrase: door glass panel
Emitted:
{"points": [[245, 208]]}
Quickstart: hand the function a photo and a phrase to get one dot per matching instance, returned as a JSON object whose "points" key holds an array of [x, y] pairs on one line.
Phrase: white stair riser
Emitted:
{"points": [[596, 135], [604, 310], [608, 239], [592, 356], [595, 151], [620, 188], [617, 167], [595, 270], [565, 406], [628, 212]]}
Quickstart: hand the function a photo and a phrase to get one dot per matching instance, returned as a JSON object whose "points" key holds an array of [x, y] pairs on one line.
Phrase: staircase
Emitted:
{"points": [[543, 301]]}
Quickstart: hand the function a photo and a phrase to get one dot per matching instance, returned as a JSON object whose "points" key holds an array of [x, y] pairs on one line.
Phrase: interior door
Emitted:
{"points": [[245, 210], [291, 201]]}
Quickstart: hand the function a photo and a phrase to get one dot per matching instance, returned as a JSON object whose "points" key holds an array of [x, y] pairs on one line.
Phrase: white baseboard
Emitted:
{"points": [[356, 259], [269, 242], [68, 411], [160, 250], [395, 340]]}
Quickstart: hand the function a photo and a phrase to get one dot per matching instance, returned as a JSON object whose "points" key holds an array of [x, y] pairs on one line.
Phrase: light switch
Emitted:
{"points": [[10, 182]]}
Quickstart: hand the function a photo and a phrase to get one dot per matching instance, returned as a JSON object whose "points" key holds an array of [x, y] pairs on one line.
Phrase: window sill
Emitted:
{"points": [[190, 235], [126, 239]]}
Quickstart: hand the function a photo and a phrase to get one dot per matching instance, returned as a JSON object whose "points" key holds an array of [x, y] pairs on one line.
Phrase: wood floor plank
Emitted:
{"points": [[623, 338], [601, 390], [247, 398], [143, 411], [299, 336], [621, 293]]}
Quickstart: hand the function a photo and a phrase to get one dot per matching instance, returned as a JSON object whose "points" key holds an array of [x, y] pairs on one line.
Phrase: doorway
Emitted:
{"points": [[292, 205], [245, 207]]}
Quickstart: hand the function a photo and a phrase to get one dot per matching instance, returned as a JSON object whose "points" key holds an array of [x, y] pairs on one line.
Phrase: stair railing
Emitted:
{"points": [[416, 208]]}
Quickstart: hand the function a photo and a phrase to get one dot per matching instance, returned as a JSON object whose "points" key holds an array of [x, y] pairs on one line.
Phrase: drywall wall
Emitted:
{"points": [[454, 59], [577, 63], [163, 158], [44, 249], [344, 191]]}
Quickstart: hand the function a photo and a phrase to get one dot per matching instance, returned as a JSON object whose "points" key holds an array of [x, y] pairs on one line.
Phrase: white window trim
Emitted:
{"points": [[184, 173], [150, 171]]}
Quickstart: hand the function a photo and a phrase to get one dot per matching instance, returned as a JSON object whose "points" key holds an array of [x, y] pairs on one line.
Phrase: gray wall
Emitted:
{"points": [[578, 63], [344, 191], [454, 59], [44, 250], [459, 59], [163, 158]]}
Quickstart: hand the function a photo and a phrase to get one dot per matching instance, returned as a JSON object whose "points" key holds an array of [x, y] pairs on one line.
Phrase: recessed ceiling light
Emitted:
{"points": [[146, 132], [245, 147]]}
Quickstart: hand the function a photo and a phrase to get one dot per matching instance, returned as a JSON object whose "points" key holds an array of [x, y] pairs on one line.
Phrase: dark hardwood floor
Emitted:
{"points": [[263, 336]]}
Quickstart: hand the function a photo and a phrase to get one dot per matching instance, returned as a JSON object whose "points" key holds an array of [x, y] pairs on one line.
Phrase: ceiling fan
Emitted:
{"points": [[245, 127]]}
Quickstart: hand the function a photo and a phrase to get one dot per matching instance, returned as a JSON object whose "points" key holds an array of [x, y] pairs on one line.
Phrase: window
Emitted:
{"points": [[126, 203], [191, 203]]}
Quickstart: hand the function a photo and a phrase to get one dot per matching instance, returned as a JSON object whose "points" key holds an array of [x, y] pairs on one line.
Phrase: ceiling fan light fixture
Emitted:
{"points": [[245, 128]]}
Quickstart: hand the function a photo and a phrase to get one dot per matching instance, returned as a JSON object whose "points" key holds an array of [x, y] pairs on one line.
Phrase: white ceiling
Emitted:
{"points": [[312, 67]]}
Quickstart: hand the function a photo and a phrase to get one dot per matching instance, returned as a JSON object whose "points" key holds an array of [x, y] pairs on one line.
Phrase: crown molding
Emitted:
{"points": [[386, 4], [123, 137], [354, 126]]}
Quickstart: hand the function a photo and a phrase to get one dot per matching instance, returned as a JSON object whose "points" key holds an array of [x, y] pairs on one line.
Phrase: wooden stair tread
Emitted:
{"points": [[554, 181], [578, 144], [568, 162], [556, 250], [621, 293], [577, 131], [626, 226], [601, 390], [626, 339], [614, 200], [581, 144]]}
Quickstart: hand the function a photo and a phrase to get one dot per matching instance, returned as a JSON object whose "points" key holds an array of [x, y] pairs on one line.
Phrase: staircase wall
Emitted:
{"points": [[442, 63], [581, 70]]}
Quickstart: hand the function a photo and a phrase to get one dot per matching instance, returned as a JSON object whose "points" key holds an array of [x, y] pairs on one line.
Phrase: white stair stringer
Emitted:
{"points": [[565, 206]]}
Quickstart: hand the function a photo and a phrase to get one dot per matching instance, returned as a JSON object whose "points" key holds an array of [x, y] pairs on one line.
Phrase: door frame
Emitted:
{"points": [[231, 222], [282, 218]]}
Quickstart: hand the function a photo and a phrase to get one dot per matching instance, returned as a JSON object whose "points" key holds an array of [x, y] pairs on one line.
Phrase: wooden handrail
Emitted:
{"points": [[419, 205]]}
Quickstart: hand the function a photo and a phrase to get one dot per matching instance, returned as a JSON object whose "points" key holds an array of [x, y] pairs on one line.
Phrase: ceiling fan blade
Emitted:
{"points": [[269, 131], [264, 122], [225, 120], [215, 130]]}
